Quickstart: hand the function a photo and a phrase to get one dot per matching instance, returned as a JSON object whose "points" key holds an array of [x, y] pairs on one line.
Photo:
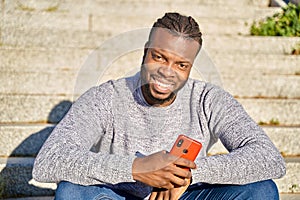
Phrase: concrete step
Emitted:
{"points": [[256, 64], [36, 108], [33, 108], [41, 59], [116, 24], [38, 83], [284, 138], [264, 110], [104, 16], [56, 70], [137, 8], [16, 176], [238, 83], [44, 4], [26, 139], [36, 59], [23, 140], [250, 44], [295, 196], [270, 86], [290, 182], [23, 37]]}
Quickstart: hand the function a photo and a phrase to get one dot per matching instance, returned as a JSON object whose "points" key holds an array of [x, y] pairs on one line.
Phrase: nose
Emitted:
{"points": [[166, 70]]}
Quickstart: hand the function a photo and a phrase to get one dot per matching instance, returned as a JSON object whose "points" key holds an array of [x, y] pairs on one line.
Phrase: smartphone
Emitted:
{"points": [[186, 147]]}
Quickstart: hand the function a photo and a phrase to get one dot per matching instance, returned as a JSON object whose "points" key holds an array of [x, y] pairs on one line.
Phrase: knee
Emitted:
{"points": [[264, 190], [71, 191], [66, 191]]}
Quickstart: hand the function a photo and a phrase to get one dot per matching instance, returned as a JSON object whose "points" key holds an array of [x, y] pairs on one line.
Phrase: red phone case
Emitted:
{"points": [[186, 147]]}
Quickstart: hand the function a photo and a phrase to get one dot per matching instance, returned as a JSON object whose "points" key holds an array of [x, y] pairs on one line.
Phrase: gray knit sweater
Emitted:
{"points": [[99, 138]]}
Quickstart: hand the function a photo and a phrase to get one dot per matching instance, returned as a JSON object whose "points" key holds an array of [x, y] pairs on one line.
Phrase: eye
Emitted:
{"points": [[157, 57], [183, 66]]}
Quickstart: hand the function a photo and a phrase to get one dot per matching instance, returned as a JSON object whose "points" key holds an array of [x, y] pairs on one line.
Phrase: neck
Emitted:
{"points": [[154, 101]]}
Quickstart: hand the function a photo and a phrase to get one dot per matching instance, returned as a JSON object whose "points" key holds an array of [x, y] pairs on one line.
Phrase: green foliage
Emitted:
{"points": [[272, 122], [286, 23], [296, 49], [30, 9], [23, 7], [52, 8], [294, 188]]}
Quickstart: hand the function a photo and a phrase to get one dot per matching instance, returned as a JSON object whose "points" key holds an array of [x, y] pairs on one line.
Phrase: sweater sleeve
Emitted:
{"points": [[67, 155], [252, 156]]}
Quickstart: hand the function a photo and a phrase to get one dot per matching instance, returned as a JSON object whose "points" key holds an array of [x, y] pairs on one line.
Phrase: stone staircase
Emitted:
{"points": [[44, 45]]}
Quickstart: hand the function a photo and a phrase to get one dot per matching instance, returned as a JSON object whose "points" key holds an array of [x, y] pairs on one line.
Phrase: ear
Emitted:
{"points": [[146, 47], [145, 51]]}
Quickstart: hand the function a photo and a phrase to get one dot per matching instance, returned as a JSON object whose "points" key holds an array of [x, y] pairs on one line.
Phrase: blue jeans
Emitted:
{"points": [[263, 190]]}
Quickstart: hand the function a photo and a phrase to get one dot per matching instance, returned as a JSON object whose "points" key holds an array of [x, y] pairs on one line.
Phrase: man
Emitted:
{"points": [[113, 142]]}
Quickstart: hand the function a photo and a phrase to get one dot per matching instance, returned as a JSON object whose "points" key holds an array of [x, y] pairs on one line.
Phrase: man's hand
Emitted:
{"points": [[172, 194], [162, 170]]}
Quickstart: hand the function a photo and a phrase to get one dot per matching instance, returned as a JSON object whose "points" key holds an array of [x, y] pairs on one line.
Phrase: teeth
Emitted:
{"points": [[163, 85]]}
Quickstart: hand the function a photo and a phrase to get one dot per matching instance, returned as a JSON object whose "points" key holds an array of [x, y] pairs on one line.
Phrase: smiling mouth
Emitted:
{"points": [[161, 85]]}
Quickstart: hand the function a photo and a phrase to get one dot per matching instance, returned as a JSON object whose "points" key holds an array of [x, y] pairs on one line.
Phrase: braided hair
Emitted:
{"points": [[180, 25]]}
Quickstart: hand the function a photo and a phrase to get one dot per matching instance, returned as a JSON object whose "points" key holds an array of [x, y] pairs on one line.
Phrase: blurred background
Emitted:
{"points": [[44, 45]]}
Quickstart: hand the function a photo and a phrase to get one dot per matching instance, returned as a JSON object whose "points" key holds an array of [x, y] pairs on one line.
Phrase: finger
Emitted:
{"points": [[173, 197], [176, 194], [182, 173], [178, 181], [169, 186], [153, 196], [180, 161], [160, 196], [166, 195], [174, 176], [185, 163]]}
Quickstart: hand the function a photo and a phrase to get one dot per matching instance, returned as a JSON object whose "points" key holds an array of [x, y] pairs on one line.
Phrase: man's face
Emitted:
{"points": [[166, 66]]}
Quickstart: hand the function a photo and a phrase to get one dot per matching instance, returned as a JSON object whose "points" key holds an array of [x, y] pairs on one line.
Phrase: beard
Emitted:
{"points": [[148, 93]]}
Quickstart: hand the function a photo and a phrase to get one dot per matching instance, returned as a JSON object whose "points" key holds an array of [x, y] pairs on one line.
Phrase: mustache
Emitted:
{"points": [[159, 77], [162, 79]]}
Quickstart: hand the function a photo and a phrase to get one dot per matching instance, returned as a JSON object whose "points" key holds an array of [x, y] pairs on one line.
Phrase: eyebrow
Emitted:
{"points": [[161, 52]]}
